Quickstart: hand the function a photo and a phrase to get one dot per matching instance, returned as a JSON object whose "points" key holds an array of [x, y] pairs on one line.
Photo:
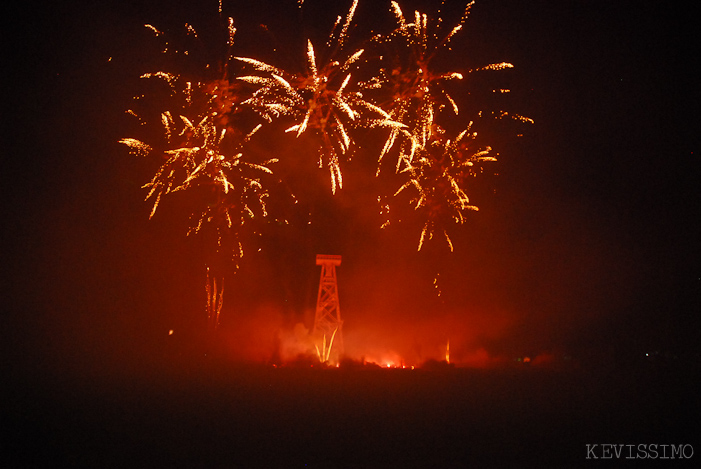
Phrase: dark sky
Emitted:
{"points": [[586, 242]]}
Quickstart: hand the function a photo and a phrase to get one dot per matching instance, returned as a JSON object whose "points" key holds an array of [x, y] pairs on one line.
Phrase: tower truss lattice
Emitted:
{"points": [[327, 320]]}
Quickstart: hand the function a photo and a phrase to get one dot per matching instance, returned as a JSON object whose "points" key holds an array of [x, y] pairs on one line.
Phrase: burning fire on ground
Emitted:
{"points": [[266, 339]]}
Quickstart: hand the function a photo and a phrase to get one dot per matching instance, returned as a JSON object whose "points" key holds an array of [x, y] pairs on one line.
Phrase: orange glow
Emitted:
{"points": [[202, 132], [265, 336]]}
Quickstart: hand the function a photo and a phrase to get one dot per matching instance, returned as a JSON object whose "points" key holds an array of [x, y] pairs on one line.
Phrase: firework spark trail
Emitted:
{"points": [[324, 353], [215, 299]]}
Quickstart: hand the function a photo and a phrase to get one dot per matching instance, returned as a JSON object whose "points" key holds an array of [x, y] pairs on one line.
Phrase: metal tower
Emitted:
{"points": [[328, 313]]}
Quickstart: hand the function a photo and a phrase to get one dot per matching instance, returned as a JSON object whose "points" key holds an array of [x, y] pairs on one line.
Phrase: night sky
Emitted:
{"points": [[586, 243]]}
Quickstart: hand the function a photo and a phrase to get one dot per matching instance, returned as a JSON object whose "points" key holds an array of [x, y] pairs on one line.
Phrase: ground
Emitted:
{"points": [[213, 413]]}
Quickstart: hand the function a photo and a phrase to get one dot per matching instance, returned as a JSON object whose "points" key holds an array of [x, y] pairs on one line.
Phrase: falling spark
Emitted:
{"points": [[153, 28], [137, 146], [215, 299], [349, 18]]}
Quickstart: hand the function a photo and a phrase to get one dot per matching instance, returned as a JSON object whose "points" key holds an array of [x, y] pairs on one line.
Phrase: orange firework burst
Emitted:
{"points": [[323, 100], [437, 167], [416, 92], [438, 173], [201, 150]]}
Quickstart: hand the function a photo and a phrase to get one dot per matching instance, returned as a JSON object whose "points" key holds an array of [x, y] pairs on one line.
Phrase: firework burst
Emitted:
{"points": [[415, 92], [436, 166], [200, 148], [324, 100], [437, 176]]}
